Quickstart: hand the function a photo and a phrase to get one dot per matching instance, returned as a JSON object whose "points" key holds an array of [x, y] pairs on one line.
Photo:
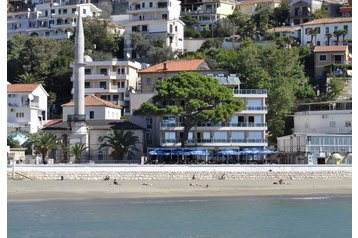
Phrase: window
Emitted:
{"points": [[150, 4], [19, 114], [103, 71], [59, 11], [176, 28], [164, 16], [88, 71], [84, 11], [332, 124], [145, 28], [171, 28], [318, 30], [327, 29], [148, 81], [91, 114], [348, 124], [64, 11], [335, 28], [345, 27], [318, 43], [87, 84], [100, 139], [73, 10], [47, 33], [115, 98], [123, 71], [149, 121], [323, 57], [52, 11], [123, 84], [102, 85], [143, 5]]}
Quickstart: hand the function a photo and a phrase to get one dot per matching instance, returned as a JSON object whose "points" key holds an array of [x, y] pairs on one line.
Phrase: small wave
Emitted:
{"points": [[311, 198], [169, 201]]}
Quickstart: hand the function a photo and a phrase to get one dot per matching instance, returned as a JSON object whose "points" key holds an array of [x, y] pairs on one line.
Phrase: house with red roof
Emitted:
{"points": [[328, 31], [95, 109], [26, 107], [162, 71], [325, 57]]}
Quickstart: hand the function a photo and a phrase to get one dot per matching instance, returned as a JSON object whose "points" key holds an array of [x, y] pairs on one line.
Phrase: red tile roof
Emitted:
{"points": [[332, 48], [174, 66], [21, 88], [328, 20], [52, 122], [92, 100]]}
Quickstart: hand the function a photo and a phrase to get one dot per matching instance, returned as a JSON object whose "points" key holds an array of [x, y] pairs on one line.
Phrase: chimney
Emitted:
{"points": [[165, 66]]}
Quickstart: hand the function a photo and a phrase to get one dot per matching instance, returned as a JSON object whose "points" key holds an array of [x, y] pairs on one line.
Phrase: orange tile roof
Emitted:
{"points": [[174, 66], [21, 88], [328, 20], [52, 122], [331, 48], [92, 100]]}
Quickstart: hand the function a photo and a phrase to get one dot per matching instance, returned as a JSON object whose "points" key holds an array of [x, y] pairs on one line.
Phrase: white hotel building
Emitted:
{"points": [[49, 20], [246, 129], [159, 19], [320, 129], [112, 80]]}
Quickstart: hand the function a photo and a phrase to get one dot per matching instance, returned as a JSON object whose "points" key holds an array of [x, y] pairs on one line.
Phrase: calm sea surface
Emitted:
{"points": [[256, 217]]}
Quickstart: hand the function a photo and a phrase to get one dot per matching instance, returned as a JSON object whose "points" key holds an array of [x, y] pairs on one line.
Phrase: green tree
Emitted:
{"points": [[195, 98], [29, 78], [313, 33], [320, 13], [78, 150], [189, 21], [43, 142], [211, 43], [338, 34], [334, 89], [121, 143], [281, 14], [12, 142], [97, 35], [328, 36], [189, 32]]}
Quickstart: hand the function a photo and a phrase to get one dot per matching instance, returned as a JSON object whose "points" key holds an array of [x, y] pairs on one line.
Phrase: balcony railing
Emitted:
{"points": [[19, 104], [250, 91], [209, 124], [192, 141], [256, 108]]}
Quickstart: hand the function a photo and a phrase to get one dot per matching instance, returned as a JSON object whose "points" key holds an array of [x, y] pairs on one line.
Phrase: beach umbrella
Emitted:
{"points": [[246, 151], [266, 151], [197, 152], [158, 151], [178, 152], [227, 152]]}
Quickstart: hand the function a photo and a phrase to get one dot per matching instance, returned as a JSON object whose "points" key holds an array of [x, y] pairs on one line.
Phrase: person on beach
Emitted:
{"points": [[115, 182]]}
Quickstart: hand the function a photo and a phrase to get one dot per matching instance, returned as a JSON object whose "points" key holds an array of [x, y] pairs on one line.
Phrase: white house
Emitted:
{"points": [[207, 12], [158, 19], [320, 129], [95, 109], [27, 107], [49, 20], [326, 28], [112, 80]]}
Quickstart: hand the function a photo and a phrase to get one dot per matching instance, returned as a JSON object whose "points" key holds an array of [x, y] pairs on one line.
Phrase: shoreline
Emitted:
{"points": [[77, 190]]}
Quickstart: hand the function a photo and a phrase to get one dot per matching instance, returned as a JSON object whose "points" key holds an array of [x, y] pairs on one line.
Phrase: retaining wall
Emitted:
{"points": [[132, 172]]}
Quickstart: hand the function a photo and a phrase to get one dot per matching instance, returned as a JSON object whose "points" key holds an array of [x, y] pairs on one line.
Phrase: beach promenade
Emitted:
{"points": [[32, 183]]}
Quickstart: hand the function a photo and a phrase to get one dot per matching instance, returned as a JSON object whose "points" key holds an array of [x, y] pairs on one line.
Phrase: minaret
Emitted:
{"points": [[78, 119]]}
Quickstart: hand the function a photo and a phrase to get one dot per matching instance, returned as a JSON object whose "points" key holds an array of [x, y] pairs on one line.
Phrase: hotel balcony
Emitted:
{"points": [[103, 90], [260, 93], [215, 142], [134, 10], [223, 126], [19, 104]]}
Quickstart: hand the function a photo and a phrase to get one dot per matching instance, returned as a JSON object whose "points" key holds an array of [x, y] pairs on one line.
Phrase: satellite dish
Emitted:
{"points": [[30, 97]]}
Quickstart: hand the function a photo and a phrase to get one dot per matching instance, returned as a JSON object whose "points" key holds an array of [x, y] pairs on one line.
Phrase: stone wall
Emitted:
{"points": [[88, 172]]}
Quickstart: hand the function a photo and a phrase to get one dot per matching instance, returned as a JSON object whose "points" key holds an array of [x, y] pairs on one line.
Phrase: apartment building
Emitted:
{"points": [[207, 12], [326, 31], [320, 129], [301, 10], [26, 107], [157, 19], [112, 80], [326, 57], [49, 19]]}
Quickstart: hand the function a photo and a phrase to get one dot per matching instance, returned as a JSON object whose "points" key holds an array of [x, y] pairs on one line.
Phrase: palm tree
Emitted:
{"points": [[43, 142], [77, 150], [328, 36], [337, 34], [313, 33], [121, 142], [344, 33], [29, 78]]}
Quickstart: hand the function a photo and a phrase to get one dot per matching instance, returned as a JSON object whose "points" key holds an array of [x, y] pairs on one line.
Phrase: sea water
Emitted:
{"points": [[256, 217]]}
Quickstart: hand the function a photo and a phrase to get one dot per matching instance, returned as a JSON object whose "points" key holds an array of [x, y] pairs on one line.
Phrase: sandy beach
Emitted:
{"points": [[42, 190]]}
